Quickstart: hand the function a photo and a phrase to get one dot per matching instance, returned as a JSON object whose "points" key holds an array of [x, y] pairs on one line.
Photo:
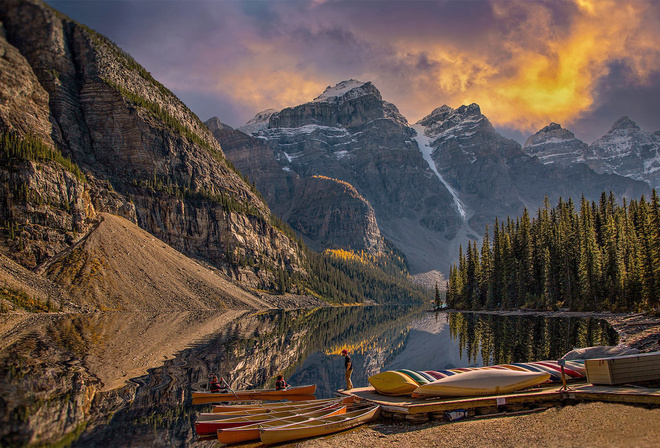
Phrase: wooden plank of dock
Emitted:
{"points": [[616, 394], [411, 408]]}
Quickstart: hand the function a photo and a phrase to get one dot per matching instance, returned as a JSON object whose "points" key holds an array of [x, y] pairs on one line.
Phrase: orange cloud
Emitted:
{"points": [[545, 73], [263, 89]]}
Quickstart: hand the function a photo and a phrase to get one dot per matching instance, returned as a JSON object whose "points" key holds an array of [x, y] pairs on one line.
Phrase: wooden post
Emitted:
{"points": [[562, 362]]}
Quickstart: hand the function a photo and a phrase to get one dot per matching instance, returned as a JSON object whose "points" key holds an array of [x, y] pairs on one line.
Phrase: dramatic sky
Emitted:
{"points": [[581, 63]]}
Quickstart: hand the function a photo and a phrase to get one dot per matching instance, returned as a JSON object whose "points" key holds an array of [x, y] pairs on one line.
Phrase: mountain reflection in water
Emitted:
{"points": [[125, 379]]}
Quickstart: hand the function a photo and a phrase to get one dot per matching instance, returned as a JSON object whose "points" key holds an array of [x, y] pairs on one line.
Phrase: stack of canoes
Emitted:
{"points": [[503, 378], [281, 422]]}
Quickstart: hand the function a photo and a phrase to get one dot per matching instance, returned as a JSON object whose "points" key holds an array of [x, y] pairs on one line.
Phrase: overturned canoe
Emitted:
{"points": [[481, 382], [255, 394], [393, 383], [251, 432], [318, 427]]}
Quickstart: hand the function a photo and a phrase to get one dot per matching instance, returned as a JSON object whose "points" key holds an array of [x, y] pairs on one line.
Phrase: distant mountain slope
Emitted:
{"points": [[351, 134], [553, 144], [433, 185], [328, 213], [494, 177], [626, 150]]}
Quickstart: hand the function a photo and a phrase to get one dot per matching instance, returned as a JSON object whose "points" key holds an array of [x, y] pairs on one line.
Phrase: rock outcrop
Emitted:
{"points": [[328, 213], [554, 144], [494, 177], [350, 134], [144, 154], [626, 150], [433, 186]]}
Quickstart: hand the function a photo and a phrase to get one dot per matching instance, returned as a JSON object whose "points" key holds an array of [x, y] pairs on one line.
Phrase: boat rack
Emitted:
{"points": [[531, 400]]}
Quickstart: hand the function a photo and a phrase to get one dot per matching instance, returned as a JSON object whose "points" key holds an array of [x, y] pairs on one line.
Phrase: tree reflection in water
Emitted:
{"points": [[505, 339], [126, 378]]}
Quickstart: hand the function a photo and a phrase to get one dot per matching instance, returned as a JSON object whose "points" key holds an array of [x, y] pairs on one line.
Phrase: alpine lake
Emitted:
{"points": [[125, 378]]}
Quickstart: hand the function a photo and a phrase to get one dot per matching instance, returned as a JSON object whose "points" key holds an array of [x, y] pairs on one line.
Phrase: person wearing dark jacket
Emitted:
{"points": [[349, 369], [215, 386], [280, 384]]}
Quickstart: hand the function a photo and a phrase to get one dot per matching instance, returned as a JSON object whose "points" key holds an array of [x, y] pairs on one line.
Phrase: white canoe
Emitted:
{"points": [[210, 416], [207, 427], [318, 427], [481, 382], [267, 407], [251, 432]]}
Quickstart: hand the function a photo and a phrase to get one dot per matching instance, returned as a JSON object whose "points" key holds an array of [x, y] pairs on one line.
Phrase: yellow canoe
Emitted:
{"points": [[318, 427], [251, 432], [481, 382], [393, 383], [255, 394]]}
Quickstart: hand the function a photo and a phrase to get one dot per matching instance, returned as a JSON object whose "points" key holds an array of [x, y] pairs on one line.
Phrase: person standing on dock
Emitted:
{"points": [[349, 369]]}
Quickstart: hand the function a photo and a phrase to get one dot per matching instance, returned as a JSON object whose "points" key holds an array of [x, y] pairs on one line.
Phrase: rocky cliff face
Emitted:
{"points": [[433, 186], [628, 151], [145, 155], [553, 144], [625, 150], [328, 213], [350, 134], [492, 175]]}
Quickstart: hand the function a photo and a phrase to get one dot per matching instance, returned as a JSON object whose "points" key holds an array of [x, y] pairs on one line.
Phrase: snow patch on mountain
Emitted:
{"points": [[556, 145], [628, 151], [258, 123], [424, 144], [331, 93]]}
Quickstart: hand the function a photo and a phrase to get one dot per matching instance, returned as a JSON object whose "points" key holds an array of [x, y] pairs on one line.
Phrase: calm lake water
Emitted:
{"points": [[124, 379]]}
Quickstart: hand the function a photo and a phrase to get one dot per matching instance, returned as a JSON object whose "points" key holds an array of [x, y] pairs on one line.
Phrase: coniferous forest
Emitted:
{"points": [[594, 256]]}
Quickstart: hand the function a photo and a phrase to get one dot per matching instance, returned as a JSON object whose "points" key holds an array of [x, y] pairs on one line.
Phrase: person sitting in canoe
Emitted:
{"points": [[280, 384], [217, 387]]}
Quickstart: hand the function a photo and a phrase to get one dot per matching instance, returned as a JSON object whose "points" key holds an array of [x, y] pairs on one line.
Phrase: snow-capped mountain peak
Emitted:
{"points": [[624, 123], [258, 123], [554, 144], [341, 90]]}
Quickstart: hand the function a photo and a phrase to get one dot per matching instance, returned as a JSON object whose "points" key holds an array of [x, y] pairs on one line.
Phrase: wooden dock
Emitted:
{"points": [[530, 400]]}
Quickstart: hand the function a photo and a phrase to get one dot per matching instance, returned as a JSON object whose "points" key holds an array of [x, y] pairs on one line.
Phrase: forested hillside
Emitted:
{"points": [[604, 256]]}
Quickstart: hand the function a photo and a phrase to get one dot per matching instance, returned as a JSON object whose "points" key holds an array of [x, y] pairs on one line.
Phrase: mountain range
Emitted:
{"points": [[428, 188], [114, 195]]}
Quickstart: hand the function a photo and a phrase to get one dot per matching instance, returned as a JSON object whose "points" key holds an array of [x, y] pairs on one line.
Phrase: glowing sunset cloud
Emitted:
{"points": [[541, 74], [526, 63]]}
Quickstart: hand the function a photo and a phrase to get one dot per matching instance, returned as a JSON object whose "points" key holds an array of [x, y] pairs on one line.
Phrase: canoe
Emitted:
{"points": [[429, 378], [419, 379], [318, 427], [255, 394], [251, 432], [393, 383], [481, 382], [278, 405], [210, 416], [568, 372], [211, 426]]}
